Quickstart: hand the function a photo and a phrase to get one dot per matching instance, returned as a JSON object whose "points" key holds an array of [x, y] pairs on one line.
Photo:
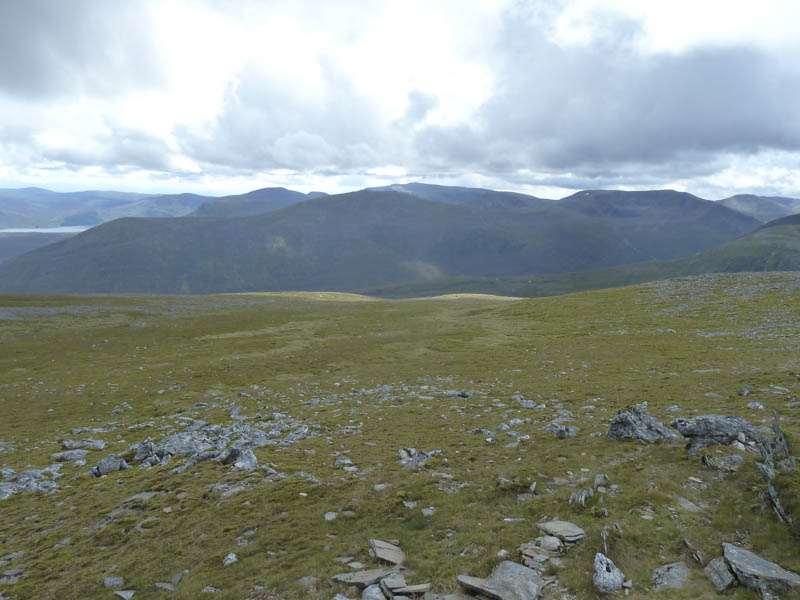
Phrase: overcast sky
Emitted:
{"points": [[543, 97]]}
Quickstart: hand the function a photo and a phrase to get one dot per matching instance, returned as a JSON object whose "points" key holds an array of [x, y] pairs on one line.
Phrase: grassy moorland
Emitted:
{"points": [[369, 377]]}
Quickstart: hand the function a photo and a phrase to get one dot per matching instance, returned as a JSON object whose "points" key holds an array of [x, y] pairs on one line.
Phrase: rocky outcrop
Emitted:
{"points": [[708, 430], [635, 423]]}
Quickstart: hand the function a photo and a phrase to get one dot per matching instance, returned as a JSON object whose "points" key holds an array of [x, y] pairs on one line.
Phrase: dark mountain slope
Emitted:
{"points": [[763, 208], [464, 196], [252, 203], [771, 248], [354, 241]]}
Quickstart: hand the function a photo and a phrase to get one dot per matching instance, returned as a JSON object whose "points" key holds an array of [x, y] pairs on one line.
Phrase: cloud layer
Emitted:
{"points": [[584, 94]]}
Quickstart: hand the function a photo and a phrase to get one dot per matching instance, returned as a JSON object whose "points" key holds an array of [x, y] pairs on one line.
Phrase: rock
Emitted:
{"points": [[688, 505], [361, 579], [229, 559], [607, 578], [411, 458], [428, 512], [330, 516], [563, 530], [246, 461], [600, 480], [69, 455], [720, 575], [63, 543], [165, 587], [708, 430], [387, 552], [113, 582], [210, 590], [125, 594], [757, 573], [392, 582], [563, 432], [414, 590], [635, 423], [373, 592], [109, 464], [508, 581], [673, 575]]}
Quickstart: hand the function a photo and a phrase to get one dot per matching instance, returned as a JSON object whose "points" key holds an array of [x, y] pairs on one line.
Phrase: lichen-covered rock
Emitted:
{"points": [[635, 423], [673, 575], [607, 578], [508, 581]]}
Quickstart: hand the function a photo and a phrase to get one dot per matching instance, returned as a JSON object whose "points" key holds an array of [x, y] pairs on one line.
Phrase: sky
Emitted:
{"points": [[541, 97]]}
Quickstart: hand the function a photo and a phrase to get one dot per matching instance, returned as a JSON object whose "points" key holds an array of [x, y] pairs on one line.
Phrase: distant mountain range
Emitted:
{"points": [[376, 238]]}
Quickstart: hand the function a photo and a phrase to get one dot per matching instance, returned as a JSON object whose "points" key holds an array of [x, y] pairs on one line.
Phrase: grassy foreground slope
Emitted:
{"points": [[369, 378]]}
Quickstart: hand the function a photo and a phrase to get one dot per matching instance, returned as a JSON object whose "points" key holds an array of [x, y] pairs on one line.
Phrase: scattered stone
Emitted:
{"points": [[757, 573], [229, 559], [387, 552], [563, 530], [176, 579], [673, 575], [607, 578], [372, 592], [708, 430], [581, 496], [508, 581], [600, 480], [563, 432], [165, 587], [246, 461], [720, 574], [756, 406], [428, 512], [688, 505], [361, 579], [113, 582], [125, 594], [724, 464], [330, 516], [210, 590], [69, 455], [635, 423], [109, 464], [697, 554], [411, 458]]}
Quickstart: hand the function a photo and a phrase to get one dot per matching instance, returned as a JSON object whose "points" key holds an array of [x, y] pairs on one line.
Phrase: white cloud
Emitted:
{"points": [[540, 97]]}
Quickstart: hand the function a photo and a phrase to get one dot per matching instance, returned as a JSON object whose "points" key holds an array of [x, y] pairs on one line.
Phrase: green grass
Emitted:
{"points": [[89, 354]]}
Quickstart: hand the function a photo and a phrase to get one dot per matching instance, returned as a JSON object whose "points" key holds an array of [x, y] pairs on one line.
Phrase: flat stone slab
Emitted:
{"points": [[125, 594], [414, 590], [508, 581], [719, 574], [757, 573], [387, 552], [563, 530], [361, 579]]}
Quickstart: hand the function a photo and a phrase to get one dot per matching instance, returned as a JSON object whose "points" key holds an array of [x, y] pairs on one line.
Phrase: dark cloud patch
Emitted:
{"points": [[52, 48], [604, 108]]}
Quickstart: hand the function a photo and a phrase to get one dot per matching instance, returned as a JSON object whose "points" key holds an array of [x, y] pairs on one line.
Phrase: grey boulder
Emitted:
{"points": [[607, 578], [508, 581], [757, 573], [635, 423], [109, 464]]}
